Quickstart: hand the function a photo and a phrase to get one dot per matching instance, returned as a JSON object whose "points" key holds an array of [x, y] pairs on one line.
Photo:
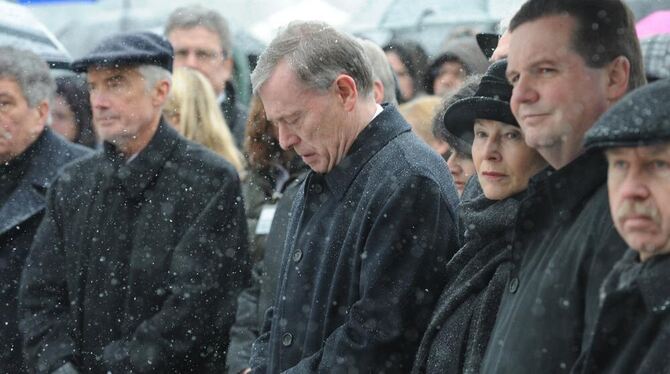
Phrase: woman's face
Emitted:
{"points": [[62, 119], [461, 168], [405, 82], [503, 161]]}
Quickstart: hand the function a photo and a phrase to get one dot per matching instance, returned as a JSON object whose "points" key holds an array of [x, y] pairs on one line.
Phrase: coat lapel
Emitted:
{"points": [[24, 203]]}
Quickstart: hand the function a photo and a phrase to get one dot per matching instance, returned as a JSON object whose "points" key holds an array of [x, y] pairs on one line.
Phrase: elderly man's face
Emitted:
{"points": [[20, 124], [123, 108], [639, 192], [311, 122], [200, 48]]}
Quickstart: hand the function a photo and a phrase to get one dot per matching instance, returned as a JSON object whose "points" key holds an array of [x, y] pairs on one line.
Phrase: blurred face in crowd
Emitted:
{"points": [[449, 78], [313, 123], [405, 82], [200, 48], [20, 124], [125, 112], [503, 161], [461, 167], [638, 182], [556, 96], [63, 119]]}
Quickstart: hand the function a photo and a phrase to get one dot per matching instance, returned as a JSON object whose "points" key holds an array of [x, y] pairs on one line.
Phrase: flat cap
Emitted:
{"points": [[639, 119], [126, 49]]}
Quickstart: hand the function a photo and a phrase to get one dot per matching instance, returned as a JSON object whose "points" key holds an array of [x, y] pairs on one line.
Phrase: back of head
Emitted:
{"points": [[412, 56], [381, 69], [29, 71], [605, 30], [192, 16], [419, 113], [318, 54], [200, 118]]}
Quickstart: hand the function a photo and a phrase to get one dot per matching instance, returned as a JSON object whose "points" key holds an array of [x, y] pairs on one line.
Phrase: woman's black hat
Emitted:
{"points": [[491, 101]]}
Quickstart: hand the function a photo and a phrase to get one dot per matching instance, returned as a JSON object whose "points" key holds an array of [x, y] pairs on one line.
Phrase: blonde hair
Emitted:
{"points": [[192, 100], [419, 113]]}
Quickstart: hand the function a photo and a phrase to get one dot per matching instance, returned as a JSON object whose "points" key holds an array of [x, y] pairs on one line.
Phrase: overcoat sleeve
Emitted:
{"points": [[44, 306], [209, 268], [400, 281]]}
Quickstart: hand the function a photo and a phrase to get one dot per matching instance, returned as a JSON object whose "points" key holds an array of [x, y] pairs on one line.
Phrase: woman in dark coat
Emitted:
{"points": [[458, 333]]}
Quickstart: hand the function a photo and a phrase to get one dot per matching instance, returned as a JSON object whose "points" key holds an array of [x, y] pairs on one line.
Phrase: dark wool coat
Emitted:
{"points": [[564, 244], [364, 258], [255, 300], [137, 266], [20, 216], [632, 333], [235, 113], [456, 338]]}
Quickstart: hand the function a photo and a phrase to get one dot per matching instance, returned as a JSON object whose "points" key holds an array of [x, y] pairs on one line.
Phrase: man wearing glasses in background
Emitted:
{"points": [[202, 41]]}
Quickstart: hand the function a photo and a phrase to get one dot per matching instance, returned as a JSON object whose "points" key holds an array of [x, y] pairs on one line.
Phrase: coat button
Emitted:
{"points": [[513, 285], [317, 188], [297, 255], [287, 339]]}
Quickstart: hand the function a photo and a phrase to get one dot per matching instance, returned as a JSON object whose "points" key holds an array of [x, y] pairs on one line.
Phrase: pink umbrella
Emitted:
{"points": [[654, 24]]}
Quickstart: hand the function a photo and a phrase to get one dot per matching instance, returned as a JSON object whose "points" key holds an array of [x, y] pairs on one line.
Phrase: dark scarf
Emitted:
{"points": [[458, 333]]}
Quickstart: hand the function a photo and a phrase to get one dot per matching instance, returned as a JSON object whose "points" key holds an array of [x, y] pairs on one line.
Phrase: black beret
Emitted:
{"points": [[126, 49], [640, 118]]}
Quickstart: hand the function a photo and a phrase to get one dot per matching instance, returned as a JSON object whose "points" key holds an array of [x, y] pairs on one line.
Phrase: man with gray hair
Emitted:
{"points": [[30, 157], [382, 74], [361, 270], [202, 41], [137, 264]]}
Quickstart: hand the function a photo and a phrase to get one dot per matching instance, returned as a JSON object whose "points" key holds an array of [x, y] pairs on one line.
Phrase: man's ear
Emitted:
{"points": [[378, 90], [618, 74], [346, 91], [160, 93], [43, 112]]}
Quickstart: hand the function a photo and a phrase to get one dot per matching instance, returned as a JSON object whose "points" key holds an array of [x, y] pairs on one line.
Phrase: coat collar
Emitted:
{"points": [[568, 188], [379, 132], [48, 155], [651, 279], [142, 171]]}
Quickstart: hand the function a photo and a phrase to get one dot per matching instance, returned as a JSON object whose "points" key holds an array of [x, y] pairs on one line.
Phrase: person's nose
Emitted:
{"points": [[453, 165], [492, 148], [634, 186], [287, 139], [99, 100], [524, 92]]}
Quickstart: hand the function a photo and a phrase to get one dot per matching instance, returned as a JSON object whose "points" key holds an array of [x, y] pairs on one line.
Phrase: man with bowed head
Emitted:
{"points": [[362, 269], [632, 332], [137, 264]]}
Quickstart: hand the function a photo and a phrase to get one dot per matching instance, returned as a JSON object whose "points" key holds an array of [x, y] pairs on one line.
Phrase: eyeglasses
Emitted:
{"points": [[202, 55]]}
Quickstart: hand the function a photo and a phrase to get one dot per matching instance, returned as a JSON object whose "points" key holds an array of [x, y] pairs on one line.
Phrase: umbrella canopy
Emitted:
{"points": [[19, 28], [654, 24]]}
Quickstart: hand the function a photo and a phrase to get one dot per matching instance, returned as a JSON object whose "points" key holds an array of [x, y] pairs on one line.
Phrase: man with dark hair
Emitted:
{"points": [[30, 157], [138, 262], [361, 270], [567, 66], [202, 40]]}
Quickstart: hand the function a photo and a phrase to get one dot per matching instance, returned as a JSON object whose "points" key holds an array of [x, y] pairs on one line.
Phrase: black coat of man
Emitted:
{"points": [[364, 258], [23, 185], [137, 265]]}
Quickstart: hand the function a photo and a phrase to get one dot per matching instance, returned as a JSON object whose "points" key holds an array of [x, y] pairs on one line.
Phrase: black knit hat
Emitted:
{"points": [[639, 119], [491, 101], [127, 49]]}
